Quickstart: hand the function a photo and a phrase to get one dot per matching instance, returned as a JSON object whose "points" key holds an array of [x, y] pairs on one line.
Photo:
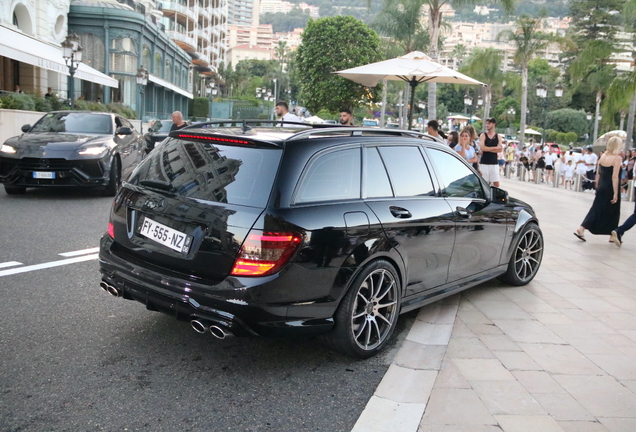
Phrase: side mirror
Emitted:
{"points": [[498, 196], [26, 127], [124, 130]]}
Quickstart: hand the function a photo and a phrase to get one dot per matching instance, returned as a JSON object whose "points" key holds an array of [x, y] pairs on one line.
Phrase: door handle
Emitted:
{"points": [[400, 213], [461, 211]]}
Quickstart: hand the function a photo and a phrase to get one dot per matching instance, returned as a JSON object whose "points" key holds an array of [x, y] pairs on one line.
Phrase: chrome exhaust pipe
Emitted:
{"points": [[113, 291], [198, 326], [219, 332], [110, 289]]}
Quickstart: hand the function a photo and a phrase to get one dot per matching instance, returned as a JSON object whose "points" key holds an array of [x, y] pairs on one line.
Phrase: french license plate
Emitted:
{"points": [[43, 175], [175, 240]]}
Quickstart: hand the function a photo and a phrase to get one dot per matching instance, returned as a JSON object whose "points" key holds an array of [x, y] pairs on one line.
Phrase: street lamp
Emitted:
{"points": [[542, 92], [211, 91], [142, 81], [72, 53], [468, 102], [510, 118]]}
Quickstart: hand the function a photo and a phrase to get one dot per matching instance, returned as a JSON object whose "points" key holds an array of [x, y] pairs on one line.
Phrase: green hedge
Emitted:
{"points": [[27, 102]]}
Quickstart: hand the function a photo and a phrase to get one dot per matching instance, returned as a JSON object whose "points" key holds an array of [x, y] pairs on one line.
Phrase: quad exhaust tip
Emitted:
{"points": [[201, 326], [110, 289]]}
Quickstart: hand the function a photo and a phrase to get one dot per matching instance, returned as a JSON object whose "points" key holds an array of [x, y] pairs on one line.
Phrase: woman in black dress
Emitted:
{"points": [[605, 212]]}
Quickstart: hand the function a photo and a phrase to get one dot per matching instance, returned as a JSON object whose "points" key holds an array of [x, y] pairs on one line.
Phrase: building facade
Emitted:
{"points": [[243, 12], [118, 39], [31, 33]]}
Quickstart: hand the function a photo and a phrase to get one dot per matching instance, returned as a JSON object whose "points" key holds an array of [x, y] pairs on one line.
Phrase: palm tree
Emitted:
{"points": [[457, 54], [528, 40], [484, 64], [401, 22], [281, 50], [434, 26], [592, 69]]}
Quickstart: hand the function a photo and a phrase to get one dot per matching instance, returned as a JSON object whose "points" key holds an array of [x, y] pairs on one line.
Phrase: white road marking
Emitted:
{"points": [[79, 252], [48, 265], [10, 264]]}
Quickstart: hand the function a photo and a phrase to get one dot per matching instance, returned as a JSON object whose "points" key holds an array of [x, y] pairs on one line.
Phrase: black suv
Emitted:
{"points": [[261, 230]]}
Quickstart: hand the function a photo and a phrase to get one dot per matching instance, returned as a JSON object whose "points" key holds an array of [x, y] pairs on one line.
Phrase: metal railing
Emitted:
{"points": [[518, 170]]}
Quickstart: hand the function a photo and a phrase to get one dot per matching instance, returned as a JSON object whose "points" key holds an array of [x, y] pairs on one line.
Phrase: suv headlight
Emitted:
{"points": [[7, 149], [92, 150]]}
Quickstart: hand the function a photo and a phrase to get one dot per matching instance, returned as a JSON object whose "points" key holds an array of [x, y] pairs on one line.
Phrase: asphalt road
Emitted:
{"points": [[73, 358]]}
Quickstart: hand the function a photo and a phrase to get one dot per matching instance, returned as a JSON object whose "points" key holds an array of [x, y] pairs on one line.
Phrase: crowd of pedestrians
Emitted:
{"points": [[607, 176]]}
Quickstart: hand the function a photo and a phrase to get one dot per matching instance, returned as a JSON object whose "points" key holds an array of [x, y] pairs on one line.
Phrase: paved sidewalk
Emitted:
{"points": [[556, 355]]}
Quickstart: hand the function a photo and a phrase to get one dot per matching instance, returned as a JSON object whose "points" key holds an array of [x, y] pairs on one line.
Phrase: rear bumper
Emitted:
{"points": [[229, 304], [73, 173]]}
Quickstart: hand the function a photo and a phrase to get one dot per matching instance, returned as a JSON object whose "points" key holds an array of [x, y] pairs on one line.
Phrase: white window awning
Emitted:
{"points": [[26, 49], [166, 84]]}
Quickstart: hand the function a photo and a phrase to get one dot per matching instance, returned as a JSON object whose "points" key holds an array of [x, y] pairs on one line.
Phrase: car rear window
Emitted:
{"points": [[211, 172]]}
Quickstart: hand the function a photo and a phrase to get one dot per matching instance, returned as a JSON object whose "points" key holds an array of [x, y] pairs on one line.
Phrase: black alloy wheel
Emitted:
{"points": [[114, 179], [368, 313], [526, 258]]}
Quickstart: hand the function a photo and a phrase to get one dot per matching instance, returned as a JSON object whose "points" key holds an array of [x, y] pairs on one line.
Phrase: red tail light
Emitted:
{"points": [[264, 253], [111, 230]]}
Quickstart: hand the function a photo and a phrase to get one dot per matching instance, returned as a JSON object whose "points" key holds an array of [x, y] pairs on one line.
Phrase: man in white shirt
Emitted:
{"points": [[617, 234], [282, 110], [550, 162], [590, 159]]}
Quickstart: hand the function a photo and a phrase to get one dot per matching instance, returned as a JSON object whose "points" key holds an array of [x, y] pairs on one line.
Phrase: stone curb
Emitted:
{"points": [[399, 402]]}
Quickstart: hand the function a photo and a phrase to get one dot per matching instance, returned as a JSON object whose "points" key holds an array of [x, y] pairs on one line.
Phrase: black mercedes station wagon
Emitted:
{"points": [[71, 149], [270, 231]]}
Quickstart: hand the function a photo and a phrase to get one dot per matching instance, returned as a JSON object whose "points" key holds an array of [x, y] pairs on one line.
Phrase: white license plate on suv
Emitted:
{"points": [[43, 175], [175, 240]]}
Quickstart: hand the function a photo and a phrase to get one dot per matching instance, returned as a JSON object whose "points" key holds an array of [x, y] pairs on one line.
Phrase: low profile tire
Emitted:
{"points": [[14, 190], [526, 257], [368, 313], [115, 178]]}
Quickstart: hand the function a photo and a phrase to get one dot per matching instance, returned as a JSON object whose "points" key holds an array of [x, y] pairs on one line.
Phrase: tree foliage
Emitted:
{"points": [[568, 120], [401, 22], [329, 45], [286, 22]]}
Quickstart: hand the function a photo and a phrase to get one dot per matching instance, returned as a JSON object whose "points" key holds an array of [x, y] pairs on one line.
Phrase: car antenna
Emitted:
{"points": [[245, 127]]}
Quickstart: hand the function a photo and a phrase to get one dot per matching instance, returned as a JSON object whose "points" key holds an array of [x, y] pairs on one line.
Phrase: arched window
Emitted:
{"points": [[168, 73], [22, 19], [123, 55], [158, 65], [146, 57], [93, 52], [177, 76]]}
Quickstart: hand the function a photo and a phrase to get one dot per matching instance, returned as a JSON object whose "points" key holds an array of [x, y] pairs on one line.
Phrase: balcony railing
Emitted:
{"points": [[183, 38]]}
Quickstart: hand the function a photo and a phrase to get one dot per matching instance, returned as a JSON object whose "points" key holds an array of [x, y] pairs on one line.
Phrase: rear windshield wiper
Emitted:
{"points": [[158, 184]]}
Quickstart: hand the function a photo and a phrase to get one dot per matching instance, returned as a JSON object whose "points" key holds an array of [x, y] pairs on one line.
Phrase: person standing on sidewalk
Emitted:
{"points": [[606, 209], [617, 234], [550, 163], [490, 145], [464, 148], [590, 160]]}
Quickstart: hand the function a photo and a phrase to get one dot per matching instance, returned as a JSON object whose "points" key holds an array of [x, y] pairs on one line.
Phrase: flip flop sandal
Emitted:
{"points": [[579, 236]]}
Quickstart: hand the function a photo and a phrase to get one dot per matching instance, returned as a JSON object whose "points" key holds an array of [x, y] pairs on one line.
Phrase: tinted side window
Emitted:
{"points": [[331, 176], [407, 170], [457, 178], [376, 179]]}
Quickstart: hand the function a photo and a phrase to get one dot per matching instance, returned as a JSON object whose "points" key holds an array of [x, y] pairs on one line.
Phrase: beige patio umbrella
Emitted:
{"points": [[530, 131], [414, 68]]}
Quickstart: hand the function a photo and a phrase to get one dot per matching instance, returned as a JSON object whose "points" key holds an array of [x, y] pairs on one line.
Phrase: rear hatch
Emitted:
{"points": [[190, 204]]}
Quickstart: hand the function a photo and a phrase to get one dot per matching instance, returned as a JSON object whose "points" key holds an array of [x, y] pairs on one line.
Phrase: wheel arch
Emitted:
{"points": [[347, 274]]}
